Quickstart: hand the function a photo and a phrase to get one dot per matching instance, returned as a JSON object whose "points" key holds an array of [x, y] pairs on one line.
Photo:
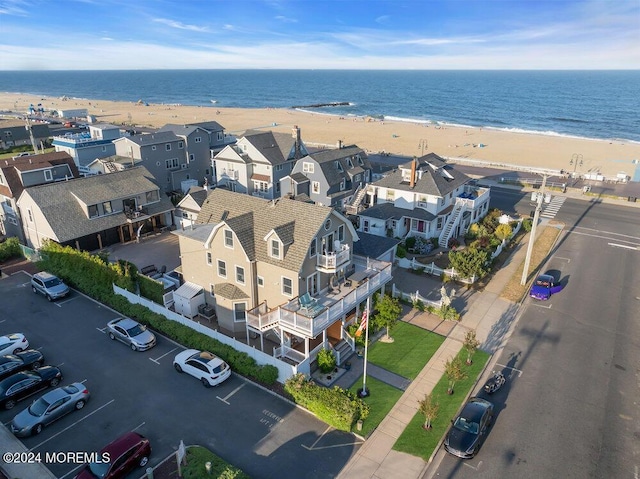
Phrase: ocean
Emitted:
{"points": [[587, 104]]}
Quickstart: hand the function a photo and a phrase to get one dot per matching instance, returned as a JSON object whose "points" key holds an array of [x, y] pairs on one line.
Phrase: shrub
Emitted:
{"points": [[337, 407], [527, 224], [410, 242], [503, 231], [401, 252], [423, 246], [10, 249], [453, 243], [326, 360]]}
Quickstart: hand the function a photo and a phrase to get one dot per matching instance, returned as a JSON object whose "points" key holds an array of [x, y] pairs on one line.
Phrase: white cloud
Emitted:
{"points": [[180, 25], [284, 19]]}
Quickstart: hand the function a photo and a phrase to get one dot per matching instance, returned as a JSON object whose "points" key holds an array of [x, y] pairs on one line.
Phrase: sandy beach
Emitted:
{"points": [[609, 157]]}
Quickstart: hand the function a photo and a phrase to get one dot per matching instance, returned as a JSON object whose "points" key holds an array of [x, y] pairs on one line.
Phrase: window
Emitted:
{"points": [[192, 157], [209, 258], [278, 167], [220, 136], [277, 187], [313, 247], [167, 147], [106, 206], [153, 148], [104, 148], [307, 167], [260, 186], [151, 196], [222, 269], [172, 163], [349, 163], [341, 233], [47, 175], [338, 165], [239, 312], [287, 286], [239, 274], [275, 248], [260, 281], [228, 238], [327, 224], [359, 158], [30, 215], [315, 187], [180, 145], [93, 211], [343, 184], [198, 139]]}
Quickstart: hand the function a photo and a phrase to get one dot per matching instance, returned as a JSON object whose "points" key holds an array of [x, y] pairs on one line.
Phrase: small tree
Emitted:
{"points": [[326, 360], [388, 311], [429, 409], [455, 372], [471, 344], [470, 262]]}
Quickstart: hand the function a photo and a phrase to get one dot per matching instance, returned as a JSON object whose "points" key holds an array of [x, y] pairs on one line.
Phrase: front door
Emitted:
{"points": [[312, 284]]}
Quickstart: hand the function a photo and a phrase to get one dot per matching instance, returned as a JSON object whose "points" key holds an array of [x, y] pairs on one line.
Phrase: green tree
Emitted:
{"points": [[429, 409], [471, 344], [388, 312], [455, 372], [326, 360], [503, 231], [470, 262]]}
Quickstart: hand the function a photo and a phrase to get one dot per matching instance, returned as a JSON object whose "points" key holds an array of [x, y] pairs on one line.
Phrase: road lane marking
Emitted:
{"points": [[71, 425], [537, 305], [616, 245], [224, 400], [608, 232], [573, 232], [159, 358], [568, 260], [503, 366], [313, 447]]}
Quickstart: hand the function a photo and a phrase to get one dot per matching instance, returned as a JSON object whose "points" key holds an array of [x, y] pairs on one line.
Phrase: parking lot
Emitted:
{"points": [[244, 424]]}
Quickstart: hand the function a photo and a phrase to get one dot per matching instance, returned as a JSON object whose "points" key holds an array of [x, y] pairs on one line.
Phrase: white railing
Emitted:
{"points": [[348, 339], [285, 370], [413, 297], [334, 259], [433, 270]]}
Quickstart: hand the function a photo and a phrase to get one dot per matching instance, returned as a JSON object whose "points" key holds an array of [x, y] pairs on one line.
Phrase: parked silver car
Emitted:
{"points": [[50, 407], [131, 333], [49, 285]]}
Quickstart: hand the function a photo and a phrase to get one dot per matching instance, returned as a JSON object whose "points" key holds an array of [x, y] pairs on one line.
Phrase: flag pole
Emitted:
{"points": [[365, 392]]}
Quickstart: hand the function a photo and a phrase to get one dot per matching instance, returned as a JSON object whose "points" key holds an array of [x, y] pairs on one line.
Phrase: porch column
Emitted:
{"points": [[99, 241], [306, 347]]}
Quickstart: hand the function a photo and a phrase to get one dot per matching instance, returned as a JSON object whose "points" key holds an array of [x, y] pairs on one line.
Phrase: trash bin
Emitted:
{"points": [[632, 199]]}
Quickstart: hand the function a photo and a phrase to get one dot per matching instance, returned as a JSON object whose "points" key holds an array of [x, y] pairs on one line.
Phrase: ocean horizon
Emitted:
{"points": [[601, 105]]}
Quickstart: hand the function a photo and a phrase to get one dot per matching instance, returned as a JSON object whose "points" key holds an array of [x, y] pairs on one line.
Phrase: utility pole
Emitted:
{"points": [[539, 197], [33, 140]]}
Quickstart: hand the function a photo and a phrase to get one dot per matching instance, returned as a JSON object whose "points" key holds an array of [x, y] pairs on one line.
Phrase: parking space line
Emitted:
{"points": [[102, 330], [71, 425], [224, 400], [475, 468], [66, 300], [72, 471], [3, 321], [568, 260], [158, 359], [504, 366], [314, 448], [537, 305], [138, 427], [59, 365]]}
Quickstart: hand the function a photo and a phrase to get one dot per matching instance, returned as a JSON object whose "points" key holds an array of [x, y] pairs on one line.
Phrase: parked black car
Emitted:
{"points": [[469, 429], [14, 363], [22, 385]]}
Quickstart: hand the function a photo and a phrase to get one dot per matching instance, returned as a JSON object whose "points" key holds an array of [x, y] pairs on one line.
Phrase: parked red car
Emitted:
{"points": [[119, 458]]}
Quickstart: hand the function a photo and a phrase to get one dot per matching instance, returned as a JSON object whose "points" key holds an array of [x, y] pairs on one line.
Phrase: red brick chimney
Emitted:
{"points": [[296, 136]]}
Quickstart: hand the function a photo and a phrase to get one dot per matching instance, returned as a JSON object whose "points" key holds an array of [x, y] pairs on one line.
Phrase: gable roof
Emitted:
{"points": [[327, 161], [252, 219], [373, 246], [209, 125], [11, 168], [185, 130], [438, 177], [59, 204], [145, 139], [275, 147]]}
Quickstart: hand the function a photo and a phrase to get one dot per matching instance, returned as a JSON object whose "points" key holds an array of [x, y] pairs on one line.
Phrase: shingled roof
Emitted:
{"points": [[12, 166], [437, 177], [275, 147], [252, 219], [59, 204]]}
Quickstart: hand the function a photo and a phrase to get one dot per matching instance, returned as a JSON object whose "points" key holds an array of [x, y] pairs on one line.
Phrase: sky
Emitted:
{"points": [[316, 34]]}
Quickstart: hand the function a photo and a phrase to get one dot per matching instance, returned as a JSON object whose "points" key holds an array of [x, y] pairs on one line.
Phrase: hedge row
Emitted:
{"points": [[337, 407], [94, 276], [10, 249]]}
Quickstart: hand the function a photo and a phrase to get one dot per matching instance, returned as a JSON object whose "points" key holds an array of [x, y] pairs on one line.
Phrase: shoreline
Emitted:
{"points": [[394, 136]]}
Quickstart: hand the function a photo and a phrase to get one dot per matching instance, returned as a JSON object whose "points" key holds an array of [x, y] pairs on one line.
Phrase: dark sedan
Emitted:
{"points": [[24, 384], [13, 363], [469, 429]]}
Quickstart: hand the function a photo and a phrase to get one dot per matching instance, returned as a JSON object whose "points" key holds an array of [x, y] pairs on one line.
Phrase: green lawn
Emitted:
{"points": [[418, 442], [407, 355], [198, 456], [381, 399]]}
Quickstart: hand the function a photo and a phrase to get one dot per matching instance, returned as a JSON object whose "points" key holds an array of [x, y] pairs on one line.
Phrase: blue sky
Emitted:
{"points": [[333, 34]]}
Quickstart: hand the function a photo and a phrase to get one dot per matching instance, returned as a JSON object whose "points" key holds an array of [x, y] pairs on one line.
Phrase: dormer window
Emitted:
{"points": [[275, 248], [360, 162], [48, 176], [342, 184], [93, 211], [349, 163], [338, 165]]}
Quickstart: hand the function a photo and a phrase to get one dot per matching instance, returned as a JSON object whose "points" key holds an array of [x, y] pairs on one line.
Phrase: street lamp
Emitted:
{"points": [[423, 144], [576, 159]]}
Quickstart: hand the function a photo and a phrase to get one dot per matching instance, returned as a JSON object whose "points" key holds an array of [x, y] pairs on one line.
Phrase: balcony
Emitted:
{"points": [[473, 196], [369, 277], [332, 261], [139, 214]]}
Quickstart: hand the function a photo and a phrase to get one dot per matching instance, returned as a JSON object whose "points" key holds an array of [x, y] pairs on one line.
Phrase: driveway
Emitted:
{"points": [[161, 249]]}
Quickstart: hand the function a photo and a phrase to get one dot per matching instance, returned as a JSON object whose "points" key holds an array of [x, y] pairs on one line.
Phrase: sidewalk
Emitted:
{"points": [[491, 317]]}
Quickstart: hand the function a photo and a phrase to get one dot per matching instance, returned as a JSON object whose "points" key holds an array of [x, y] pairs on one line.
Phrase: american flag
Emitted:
{"points": [[363, 323]]}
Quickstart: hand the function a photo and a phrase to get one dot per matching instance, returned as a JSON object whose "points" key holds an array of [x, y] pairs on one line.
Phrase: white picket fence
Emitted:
{"points": [[413, 297], [285, 370]]}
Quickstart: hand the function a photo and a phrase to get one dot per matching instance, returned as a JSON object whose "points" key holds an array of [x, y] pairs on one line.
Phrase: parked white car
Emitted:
{"points": [[202, 365], [13, 343]]}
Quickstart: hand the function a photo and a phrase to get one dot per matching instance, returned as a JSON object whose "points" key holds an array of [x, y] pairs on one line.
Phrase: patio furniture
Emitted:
{"points": [[309, 305]]}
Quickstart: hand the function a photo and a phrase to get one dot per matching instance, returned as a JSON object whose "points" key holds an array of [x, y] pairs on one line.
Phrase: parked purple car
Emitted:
{"points": [[544, 287]]}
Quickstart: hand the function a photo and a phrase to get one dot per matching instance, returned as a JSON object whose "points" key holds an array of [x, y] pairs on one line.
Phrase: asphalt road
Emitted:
{"points": [[262, 434], [569, 408]]}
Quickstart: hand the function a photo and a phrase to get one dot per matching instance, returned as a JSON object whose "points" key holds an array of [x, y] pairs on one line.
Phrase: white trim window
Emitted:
{"points": [[341, 233], [180, 145], [239, 275], [313, 248], [228, 238], [222, 269], [307, 167], [287, 286], [239, 312], [315, 187], [275, 249], [260, 281], [209, 258], [171, 163], [167, 147], [198, 139]]}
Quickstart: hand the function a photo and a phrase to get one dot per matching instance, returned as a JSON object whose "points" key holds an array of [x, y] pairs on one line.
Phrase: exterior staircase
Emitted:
{"points": [[448, 229], [110, 167], [359, 195], [343, 352]]}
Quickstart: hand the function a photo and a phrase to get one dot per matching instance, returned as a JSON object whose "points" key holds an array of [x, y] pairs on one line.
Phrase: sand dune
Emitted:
{"points": [[608, 157]]}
